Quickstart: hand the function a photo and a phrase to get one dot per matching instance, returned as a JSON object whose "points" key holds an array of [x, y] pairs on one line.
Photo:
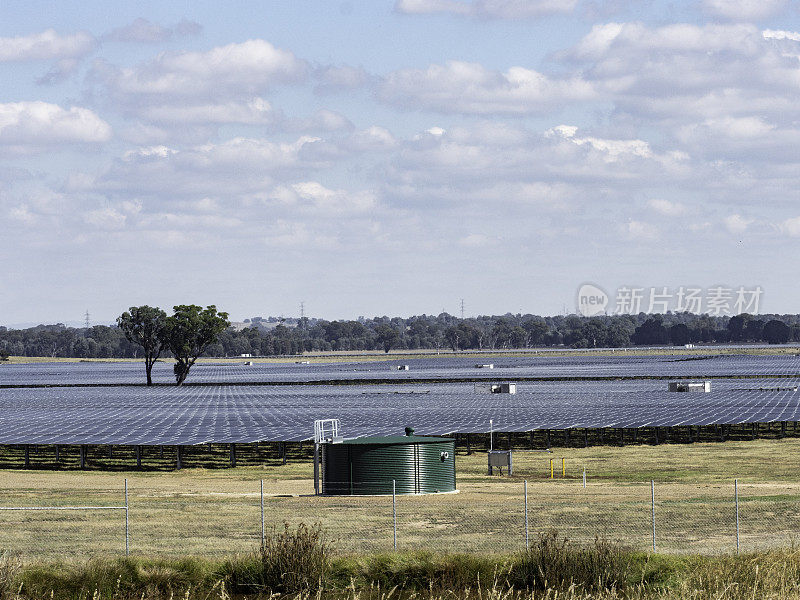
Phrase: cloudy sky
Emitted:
{"points": [[392, 157]]}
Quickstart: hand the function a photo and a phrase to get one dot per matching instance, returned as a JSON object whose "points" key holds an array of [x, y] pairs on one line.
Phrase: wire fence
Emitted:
{"points": [[491, 517]]}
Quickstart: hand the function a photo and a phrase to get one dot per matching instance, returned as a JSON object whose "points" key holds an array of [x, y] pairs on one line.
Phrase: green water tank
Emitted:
{"points": [[369, 465]]}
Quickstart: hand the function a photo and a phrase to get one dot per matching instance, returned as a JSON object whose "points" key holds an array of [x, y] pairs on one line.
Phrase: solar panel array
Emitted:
{"points": [[430, 368], [239, 414]]}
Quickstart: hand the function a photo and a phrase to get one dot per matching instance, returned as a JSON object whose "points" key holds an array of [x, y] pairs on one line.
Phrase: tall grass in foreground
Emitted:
{"points": [[288, 561], [299, 564]]}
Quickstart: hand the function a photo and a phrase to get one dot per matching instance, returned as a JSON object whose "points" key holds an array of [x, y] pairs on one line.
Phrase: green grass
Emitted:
{"points": [[553, 568], [214, 513]]}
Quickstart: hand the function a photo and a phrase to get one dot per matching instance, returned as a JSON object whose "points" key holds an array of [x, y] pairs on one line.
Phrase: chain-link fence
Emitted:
{"points": [[224, 515]]}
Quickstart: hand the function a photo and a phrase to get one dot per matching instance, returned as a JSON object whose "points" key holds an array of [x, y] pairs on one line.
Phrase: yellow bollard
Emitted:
{"points": [[563, 468], [551, 468]]}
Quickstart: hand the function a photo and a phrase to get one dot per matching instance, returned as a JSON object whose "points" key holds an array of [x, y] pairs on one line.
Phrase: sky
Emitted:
{"points": [[393, 157]]}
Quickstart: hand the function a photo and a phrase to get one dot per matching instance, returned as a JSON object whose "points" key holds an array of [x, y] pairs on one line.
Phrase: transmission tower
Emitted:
{"points": [[86, 321], [462, 308]]}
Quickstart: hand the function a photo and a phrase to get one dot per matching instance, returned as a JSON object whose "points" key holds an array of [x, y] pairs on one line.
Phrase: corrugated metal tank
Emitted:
{"points": [[417, 465]]}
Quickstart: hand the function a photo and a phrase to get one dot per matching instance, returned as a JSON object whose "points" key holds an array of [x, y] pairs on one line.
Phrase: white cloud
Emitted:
{"points": [[371, 139], [474, 240], [149, 152], [681, 75], [224, 71], [142, 31], [488, 9], [314, 195], [736, 223], [254, 112], [333, 78], [47, 45], [322, 120], [667, 208], [233, 168], [639, 230], [744, 10], [462, 87], [23, 214], [773, 34], [40, 123], [106, 218], [791, 226], [613, 150]]}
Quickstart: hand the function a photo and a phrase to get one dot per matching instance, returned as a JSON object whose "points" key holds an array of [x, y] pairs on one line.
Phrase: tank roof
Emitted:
{"points": [[396, 439]]}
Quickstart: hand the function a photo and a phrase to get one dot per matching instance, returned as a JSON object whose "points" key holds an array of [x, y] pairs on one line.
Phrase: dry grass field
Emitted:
{"points": [[217, 512], [379, 355]]}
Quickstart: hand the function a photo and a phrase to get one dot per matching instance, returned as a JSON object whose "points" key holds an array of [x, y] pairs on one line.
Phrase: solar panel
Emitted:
{"points": [[429, 368], [240, 413]]}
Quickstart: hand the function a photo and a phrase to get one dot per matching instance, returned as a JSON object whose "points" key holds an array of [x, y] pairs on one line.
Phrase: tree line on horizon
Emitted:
{"points": [[423, 332]]}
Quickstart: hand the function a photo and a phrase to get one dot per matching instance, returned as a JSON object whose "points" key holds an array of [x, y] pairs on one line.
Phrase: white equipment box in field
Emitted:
{"points": [[496, 388], [689, 386]]}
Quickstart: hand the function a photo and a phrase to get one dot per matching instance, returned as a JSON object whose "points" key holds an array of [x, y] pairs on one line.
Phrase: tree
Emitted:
{"points": [[4, 354], [387, 336], [679, 334], [145, 325], [650, 333], [189, 331], [777, 332], [736, 326]]}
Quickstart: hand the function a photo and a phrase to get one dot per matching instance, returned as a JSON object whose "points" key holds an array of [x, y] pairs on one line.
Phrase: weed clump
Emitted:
{"points": [[291, 560], [553, 562]]}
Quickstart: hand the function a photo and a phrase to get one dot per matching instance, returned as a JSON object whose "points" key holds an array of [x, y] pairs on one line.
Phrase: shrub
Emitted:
{"points": [[552, 562], [291, 560]]}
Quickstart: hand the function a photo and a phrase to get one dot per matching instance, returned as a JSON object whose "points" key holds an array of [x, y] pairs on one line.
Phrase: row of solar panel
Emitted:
{"points": [[425, 368], [240, 414]]}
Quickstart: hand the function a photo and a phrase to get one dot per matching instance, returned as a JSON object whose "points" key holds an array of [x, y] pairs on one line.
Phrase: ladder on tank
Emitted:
{"points": [[325, 432]]}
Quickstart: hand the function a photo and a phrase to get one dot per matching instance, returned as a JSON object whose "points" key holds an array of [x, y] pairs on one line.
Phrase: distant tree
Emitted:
{"points": [[652, 332], [387, 337], [776, 332], [4, 354], [736, 326], [679, 334], [189, 331], [537, 330], [145, 326], [754, 330], [453, 336]]}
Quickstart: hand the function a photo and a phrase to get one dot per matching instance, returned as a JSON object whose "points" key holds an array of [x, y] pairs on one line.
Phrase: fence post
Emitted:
{"points": [[653, 510], [584, 477], [127, 536], [527, 538], [394, 511], [262, 513], [736, 497]]}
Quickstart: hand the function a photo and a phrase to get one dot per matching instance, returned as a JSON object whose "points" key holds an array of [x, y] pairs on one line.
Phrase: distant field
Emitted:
{"points": [[376, 355], [217, 512]]}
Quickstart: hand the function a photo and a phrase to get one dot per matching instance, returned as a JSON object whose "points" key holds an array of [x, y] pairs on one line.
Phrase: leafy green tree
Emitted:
{"points": [[736, 326], [145, 326], [679, 334], [387, 336], [189, 331], [4, 354], [776, 332]]}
